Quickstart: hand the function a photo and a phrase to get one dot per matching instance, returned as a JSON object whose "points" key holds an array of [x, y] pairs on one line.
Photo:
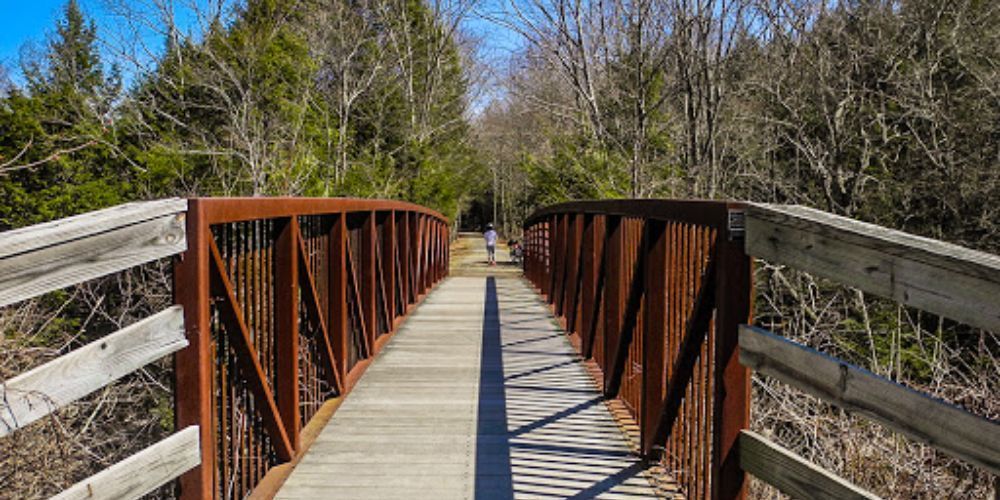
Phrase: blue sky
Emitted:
{"points": [[24, 21], [31, 21]]}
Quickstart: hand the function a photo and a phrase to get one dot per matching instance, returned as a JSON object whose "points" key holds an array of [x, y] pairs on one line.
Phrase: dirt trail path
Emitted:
{"points": [[468, 258]]}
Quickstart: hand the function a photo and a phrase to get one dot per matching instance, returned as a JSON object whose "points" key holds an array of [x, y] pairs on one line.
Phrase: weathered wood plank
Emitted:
{"points": [[935, 422], [27, 239], [939, 277], [57, 265], [38, 392], [792, 474], [143, 472]]}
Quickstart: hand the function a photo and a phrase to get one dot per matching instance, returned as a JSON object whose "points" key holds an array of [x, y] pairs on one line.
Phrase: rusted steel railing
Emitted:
{"points": [[287, 300], [653, 292]]}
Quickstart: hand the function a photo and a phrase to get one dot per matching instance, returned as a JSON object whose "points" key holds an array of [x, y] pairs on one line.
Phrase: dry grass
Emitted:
{"points": [[97, 431], [945, 360]]}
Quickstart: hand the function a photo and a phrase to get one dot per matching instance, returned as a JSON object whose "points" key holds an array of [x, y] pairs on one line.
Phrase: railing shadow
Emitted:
{"points": [[543, 430], [493, 469]]}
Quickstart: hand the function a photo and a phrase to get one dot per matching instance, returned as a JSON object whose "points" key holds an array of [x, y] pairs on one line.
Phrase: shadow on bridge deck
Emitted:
{"points": [[478, 396]]}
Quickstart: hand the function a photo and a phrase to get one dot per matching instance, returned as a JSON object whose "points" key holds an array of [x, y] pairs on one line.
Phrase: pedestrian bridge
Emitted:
{"points": [[340, 348]]}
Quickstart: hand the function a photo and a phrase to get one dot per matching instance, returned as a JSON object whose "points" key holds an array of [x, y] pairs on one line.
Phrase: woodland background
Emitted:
{"points": [[886, 111]]}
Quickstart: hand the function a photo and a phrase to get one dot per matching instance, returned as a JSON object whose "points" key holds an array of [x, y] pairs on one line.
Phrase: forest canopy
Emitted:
{"points": [[886, 110], [306, 98]]}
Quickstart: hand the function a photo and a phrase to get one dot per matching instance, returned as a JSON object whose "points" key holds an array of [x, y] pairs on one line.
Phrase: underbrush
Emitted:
{"points": [[949, 361], [95, 432]]}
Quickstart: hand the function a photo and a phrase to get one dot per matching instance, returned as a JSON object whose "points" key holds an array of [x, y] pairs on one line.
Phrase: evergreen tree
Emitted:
{"points": [[57, 139], [233, 112]]}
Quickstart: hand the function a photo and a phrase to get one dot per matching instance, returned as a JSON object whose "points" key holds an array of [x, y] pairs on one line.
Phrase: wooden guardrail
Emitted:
{"points": [[281, 305], [652, 293], [941, 278], [47, 257], [287, 301]]}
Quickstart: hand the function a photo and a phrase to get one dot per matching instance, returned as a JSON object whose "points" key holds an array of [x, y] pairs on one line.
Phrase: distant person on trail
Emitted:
{"points": [[491, 244], [516, 252]]}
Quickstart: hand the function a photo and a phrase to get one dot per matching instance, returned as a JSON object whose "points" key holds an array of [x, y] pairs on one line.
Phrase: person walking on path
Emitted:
{"points": [[491, 244]]}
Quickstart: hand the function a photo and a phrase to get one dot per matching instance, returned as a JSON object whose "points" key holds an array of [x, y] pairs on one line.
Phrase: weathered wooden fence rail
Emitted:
{"points": [[658, 293], [281, 304], [653, 292], [938, 277], [47, 257]]}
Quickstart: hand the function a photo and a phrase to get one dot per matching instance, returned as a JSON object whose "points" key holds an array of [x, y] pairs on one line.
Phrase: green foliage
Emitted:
{"points": [[252, 109], [57, 139], [577, 169]]}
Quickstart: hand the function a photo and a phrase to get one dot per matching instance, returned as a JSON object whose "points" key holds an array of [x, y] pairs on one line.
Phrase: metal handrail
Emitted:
{"points": [[288, 300]]}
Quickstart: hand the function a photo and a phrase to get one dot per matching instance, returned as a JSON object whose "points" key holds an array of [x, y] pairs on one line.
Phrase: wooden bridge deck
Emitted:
{"points": [[479, 395]]}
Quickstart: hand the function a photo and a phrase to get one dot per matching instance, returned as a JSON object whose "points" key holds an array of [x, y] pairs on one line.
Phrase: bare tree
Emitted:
{"points": [[212, 97], [352, 58], [611, 56]]}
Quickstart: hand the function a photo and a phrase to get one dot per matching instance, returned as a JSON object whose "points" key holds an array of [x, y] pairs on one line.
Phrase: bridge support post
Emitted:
{"points": [[431, 251], [445, 249], [589, 279], [286, 322], [338, 324], [447, 253], [555, 260], [420, 267], [530, 255], [438, 251], [369, 280], [415, 242], [614, 296], [193, 365], [734, 300], [577, 258], [654, 333], [405, 259], [389, 267]]}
